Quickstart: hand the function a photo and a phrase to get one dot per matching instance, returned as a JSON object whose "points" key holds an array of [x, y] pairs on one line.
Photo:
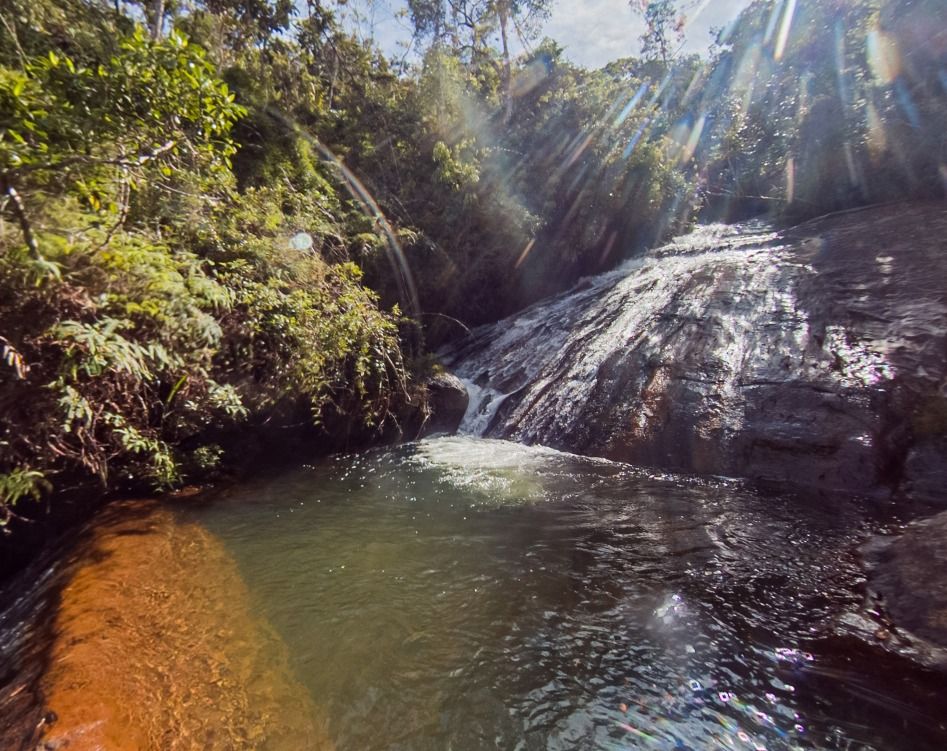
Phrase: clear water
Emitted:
{"points": [[471, 594]]}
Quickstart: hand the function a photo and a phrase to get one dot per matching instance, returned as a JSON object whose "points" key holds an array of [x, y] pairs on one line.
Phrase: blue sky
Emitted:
{"points": [[592, 31]]}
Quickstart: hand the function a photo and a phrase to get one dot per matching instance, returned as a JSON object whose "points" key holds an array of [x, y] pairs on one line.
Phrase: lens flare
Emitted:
{"points": [[629, 108], [687, 153], [877, 138], [773, 20], [301, 241], [840, 62], [363, 197], [906, 103], [784, 28], [635, 139], [525, 253], [884, 58], [790, 179]]}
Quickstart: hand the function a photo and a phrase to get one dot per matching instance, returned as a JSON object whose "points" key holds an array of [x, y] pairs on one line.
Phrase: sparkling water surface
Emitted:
{"points": [[463, 593]]}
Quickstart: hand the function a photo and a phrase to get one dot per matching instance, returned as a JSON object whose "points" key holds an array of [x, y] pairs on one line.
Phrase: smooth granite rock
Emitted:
{"points": [[907, 571], [815, 355]]}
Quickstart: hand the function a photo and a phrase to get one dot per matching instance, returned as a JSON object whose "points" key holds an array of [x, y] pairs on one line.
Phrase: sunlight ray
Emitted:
{"points": [[632, 103], [784, 28]]}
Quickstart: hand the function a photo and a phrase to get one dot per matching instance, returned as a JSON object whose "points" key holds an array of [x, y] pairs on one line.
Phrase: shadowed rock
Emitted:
{"points": [[907, 572], [447, 398]]}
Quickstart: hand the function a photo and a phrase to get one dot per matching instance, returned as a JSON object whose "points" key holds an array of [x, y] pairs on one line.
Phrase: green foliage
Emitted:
{"points": [[452, 170], [304, 327], [146, 305], [148, 101], [208, 457], [17, 484], [844, 108]]}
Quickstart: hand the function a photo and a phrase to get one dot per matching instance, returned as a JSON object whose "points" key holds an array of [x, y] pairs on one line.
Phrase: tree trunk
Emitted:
{"points": [[503, 13], [156, 18]]}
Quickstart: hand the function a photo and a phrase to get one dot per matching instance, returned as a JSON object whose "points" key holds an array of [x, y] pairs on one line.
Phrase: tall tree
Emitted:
{"points": [[664, 27], [468, 26], [156, 18]]}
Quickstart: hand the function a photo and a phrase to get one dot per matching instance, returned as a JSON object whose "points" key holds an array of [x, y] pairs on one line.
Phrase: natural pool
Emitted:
{"points": [[463, 593]]}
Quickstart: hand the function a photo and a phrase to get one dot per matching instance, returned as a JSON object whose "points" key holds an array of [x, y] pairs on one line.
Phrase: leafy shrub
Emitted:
{"points": [[144, 302]]}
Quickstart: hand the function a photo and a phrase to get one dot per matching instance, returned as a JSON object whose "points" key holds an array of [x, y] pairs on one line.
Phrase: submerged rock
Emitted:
{"points": [[157, 645], [815, 355]]}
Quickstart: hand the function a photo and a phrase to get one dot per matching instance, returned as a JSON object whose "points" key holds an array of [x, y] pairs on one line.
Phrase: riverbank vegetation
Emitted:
{"points": [[222, 212]]}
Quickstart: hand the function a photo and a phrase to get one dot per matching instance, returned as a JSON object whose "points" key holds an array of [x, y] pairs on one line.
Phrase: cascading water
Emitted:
{"points": [[733, 350], [550, 356]]}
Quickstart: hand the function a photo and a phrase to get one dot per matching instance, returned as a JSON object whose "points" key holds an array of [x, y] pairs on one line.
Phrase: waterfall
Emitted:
{"points": [[550, 357], [735, 349]]}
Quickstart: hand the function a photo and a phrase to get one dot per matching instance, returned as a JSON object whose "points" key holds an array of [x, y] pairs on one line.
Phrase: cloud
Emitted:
{"points": [[715, 14], [595, 32]]}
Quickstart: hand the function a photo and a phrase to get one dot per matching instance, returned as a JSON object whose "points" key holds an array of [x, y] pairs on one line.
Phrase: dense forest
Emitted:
{"points": [[225, 213]]}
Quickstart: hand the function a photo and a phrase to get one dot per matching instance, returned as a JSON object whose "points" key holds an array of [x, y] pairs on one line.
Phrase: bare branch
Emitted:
{"points": [[69, 161], [19, 211]]}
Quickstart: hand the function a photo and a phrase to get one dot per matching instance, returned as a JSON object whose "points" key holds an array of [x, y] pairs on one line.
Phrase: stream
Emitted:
{"points": [[467, 593]]}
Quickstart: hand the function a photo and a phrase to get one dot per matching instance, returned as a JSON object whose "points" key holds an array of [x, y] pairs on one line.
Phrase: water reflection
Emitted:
{"points": [[467, 594]]}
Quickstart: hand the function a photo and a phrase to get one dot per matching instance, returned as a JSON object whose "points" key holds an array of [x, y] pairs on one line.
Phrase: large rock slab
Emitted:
{"points": [[815, 355]]}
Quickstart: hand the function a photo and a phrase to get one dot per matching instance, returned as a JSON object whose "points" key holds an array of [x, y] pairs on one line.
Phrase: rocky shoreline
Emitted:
{"points": [[906, 576]]}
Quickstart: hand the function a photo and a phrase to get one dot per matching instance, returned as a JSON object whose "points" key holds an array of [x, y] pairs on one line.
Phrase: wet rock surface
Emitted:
{"points": [[815, 355], [907, 572], [447, 399]]}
